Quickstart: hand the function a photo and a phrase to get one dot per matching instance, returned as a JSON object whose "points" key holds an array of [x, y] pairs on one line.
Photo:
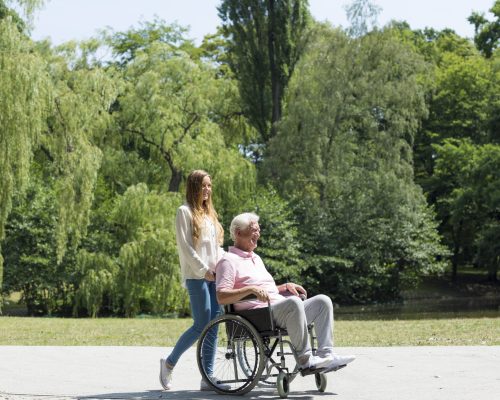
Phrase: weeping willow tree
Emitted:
{"points": [[24, 101], [144, 276], [170, 112], [50, 105], [79, 117]]}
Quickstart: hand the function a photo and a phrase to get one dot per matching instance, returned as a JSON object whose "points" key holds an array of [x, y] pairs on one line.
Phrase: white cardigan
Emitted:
{"points": [[195, 262]]}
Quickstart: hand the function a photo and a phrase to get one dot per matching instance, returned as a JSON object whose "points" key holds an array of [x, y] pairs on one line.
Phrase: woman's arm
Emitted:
{"points": [[184, 234]]}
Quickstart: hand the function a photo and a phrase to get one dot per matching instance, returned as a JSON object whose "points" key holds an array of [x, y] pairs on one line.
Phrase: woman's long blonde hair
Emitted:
{"points": [[200, 208]]}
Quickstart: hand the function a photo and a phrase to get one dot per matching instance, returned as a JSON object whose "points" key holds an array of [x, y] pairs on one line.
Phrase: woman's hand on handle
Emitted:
{"points": [[209, 276]]}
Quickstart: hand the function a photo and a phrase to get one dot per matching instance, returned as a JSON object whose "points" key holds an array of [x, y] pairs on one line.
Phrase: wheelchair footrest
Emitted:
{"points": [[310, 371], [335, 368]]}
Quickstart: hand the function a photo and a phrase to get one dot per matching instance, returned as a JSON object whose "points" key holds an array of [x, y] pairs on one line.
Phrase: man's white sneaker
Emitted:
{"points": [[204, 386], [338, 362], [165, 375], [316, 362]]}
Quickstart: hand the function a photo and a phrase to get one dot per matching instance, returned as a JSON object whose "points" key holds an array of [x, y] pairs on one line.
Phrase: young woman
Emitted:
{"points": [[199, 237]]}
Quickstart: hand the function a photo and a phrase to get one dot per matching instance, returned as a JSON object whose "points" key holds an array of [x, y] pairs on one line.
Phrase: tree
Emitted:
{"points": [[266, 38], [144, 274], [127, 44], [487, 33], [31, 265], [173, 111], [353, 108], [24, 99], [468, 185]]}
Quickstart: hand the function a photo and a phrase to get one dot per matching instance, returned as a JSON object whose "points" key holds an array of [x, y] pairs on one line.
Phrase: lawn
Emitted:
{"points": [[442, 331]]}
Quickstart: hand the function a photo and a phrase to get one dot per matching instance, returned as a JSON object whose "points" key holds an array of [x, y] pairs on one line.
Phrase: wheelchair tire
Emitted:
{"points": [[238, 354], [283, 384], [321, 382]]}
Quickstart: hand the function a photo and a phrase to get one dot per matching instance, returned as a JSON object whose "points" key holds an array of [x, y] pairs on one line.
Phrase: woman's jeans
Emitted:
{"points": [[204, 308]]}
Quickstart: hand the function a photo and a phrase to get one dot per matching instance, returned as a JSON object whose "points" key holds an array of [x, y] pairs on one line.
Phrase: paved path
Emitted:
{"points": [[380, 373]]}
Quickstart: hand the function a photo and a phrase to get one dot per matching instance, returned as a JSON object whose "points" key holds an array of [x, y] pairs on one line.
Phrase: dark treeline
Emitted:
{"points": [[371, 154]]}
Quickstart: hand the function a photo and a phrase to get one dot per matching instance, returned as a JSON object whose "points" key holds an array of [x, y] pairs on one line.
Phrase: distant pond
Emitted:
{"points": [[463, 307]]}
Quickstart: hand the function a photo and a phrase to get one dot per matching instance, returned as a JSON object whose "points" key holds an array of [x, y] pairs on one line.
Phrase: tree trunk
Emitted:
{"points": [[275, 75], [456, 250], [493, 270], [175, 180]]}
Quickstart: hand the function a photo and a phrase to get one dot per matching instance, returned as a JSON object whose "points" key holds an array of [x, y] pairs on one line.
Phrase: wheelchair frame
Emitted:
{"points": [[247, 343]]}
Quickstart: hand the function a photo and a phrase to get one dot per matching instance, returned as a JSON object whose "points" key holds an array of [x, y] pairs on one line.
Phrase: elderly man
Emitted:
{"points": [[241, 272]]}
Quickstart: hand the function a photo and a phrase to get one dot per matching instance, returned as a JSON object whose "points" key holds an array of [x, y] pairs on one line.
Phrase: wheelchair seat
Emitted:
{"points": [[260, 318]]}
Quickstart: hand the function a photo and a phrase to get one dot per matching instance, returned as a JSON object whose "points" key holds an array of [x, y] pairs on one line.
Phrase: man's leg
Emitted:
{"points": [[289, 314], [319, 310]]}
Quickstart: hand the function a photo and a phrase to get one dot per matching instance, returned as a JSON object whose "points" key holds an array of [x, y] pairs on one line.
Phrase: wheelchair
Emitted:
{"points": [[250, 350]]}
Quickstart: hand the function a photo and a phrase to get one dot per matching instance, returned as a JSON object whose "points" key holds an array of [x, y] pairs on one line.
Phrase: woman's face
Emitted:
{"points": [[206, 188]]}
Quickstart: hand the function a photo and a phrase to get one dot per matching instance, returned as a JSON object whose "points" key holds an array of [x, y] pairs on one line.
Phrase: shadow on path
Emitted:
{"points": [[198, 395]]}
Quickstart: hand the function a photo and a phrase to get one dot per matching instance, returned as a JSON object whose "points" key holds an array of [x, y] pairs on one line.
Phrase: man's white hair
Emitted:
{"points": [[242, 222]]}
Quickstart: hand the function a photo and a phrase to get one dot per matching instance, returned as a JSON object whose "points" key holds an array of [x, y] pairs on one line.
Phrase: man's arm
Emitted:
{"points": [[230, 296]]}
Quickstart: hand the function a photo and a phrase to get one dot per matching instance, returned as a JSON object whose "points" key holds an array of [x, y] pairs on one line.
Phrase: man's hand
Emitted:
{"points": [[261, 293], [295, 289]]}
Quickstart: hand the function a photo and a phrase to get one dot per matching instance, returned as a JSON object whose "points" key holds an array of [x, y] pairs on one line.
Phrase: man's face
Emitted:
{"points": [[247, 238]]}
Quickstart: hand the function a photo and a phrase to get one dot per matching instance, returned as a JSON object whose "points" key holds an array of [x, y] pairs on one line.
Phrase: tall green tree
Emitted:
{"points": [[346, 139], [487, 33], [468, 181], [24, 100], [266, 38]]}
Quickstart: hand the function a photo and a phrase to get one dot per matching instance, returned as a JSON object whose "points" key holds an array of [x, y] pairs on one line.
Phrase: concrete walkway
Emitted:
{"points": [[382, 373]]}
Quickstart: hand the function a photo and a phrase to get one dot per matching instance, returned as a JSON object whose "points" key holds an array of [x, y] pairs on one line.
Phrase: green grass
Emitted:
{"points": [[164, 332]]}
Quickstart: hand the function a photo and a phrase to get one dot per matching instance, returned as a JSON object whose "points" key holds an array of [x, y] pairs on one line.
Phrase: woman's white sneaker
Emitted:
{"points": [[165, 375]]}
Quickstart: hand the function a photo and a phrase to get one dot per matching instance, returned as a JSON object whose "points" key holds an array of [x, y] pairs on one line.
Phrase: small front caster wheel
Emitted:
{"points": [[283, 384], [320, 382]]}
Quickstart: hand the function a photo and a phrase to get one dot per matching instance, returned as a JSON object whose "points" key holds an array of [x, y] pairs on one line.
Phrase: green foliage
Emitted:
{"points": [[24, 87], [144, 275], [126, 45], [346, 140], [266, 39], [98, 273], [6, 12], [467, 185], [30, 255], [82, 98], [172, 112], [487, 33], [94, 154]]}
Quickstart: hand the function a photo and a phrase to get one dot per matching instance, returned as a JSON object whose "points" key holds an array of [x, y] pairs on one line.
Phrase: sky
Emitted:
{"points": [[64, 20]]}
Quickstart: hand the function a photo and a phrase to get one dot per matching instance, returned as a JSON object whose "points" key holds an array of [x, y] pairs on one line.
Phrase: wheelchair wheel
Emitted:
{"points": [[320, 382], [283, 384], [237, 352]]}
